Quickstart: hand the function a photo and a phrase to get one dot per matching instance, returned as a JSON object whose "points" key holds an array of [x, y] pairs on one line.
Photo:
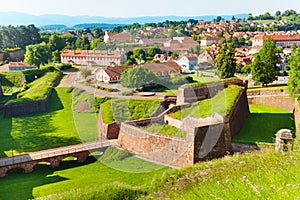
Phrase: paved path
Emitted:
{"points": [[56, 152], [71, 80]]}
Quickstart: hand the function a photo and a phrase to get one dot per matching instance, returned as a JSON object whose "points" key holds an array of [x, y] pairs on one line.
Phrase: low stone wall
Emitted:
{"points": [[267, 92], [195, 93], [169, 150], [109, 131], [26, 108], [284, 102]]}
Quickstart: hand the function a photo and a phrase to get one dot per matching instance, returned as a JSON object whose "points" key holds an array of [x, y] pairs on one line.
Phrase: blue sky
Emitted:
{"points": [[131, 8]]}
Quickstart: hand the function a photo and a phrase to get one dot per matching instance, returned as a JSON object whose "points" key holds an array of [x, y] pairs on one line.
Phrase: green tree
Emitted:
{"points": [[152, 51], [56, 56], [264, 69], [56, 42], [294, 73], [139, 55], [225, 61], [137, 77], [96, 43], [37, 54]]}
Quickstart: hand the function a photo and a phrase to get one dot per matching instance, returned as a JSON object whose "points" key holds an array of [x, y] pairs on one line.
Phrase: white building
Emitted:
{"points": [[93, 57]]}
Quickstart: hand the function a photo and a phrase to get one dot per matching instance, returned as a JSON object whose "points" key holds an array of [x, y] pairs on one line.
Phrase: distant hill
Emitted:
{"points": [[16, 18]]}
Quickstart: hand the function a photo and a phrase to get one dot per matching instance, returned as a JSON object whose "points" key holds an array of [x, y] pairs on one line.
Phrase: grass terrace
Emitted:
{"points": [[221, 103], [263, 123], [264, 174], [39, 89], [59, 126], [270, 87], [10, 82], [119, 110], [165, 129], [115, 174]]}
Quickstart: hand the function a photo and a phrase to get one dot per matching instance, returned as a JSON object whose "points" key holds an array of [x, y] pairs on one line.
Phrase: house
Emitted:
{"points": [[111, 74], [93, 57], [209, 41], [158, 41], [119, 38], [280, 40], [18, 66], [187, 62], [205, 61], [163, 69], [180, 44]]}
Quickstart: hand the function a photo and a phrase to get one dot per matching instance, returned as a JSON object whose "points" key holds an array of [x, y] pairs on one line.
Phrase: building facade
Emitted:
{"points": [[280, 40], [93, 57]]}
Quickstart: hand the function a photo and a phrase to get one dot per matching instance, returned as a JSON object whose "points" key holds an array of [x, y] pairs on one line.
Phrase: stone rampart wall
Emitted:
{"points": [[26, 108]]}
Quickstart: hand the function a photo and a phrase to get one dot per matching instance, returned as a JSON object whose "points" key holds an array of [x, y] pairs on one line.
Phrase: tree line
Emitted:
{"points": [[18, 37]]}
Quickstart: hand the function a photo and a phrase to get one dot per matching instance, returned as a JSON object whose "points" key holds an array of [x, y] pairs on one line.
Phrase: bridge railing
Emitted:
{"points": [[55, 152]]}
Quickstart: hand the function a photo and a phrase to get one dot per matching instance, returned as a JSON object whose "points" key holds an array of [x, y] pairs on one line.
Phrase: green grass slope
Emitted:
{"points": [[221, 103], [120, 110], [54, 128], [114, 175], [258, 175], [263, 123]]}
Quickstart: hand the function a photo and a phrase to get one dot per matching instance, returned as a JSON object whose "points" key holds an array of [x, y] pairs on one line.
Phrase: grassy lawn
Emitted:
{"points": [[221, 103], [203, 79], [54, 128], [120, 110], [165, 129], [258, 175], [263, 123], [71, 180], [271, 87]]}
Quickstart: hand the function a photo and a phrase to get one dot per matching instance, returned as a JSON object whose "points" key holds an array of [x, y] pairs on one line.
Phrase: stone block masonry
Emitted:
{"points": [[26, 108]]}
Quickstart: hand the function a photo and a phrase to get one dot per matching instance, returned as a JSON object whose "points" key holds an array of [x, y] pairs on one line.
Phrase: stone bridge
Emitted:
{"points": [[52, 156]]}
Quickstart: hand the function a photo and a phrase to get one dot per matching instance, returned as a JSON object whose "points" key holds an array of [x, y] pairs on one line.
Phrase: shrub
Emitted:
{"points": [[128, 93], [85, 72], [107, 89]]}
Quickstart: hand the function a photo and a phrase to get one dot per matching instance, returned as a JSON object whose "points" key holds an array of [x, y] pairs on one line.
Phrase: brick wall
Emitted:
{"points": [[160, 148], [284, 102], [109, 131], [195, 93]]}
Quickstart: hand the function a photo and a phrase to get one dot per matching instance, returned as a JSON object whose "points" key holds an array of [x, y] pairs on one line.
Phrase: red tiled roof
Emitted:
{"points": [[278, 37]]}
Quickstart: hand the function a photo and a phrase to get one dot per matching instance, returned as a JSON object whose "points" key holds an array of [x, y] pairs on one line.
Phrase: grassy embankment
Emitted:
{"points": [[263, 123], [258, 175], [59, 126], [221, 103], [116, 175], [119, 110]]}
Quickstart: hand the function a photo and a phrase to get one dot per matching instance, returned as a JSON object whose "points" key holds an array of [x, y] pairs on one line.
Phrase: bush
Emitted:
{"points": [[128, 93], [107, 89], [64, 66], [85, 72]]}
